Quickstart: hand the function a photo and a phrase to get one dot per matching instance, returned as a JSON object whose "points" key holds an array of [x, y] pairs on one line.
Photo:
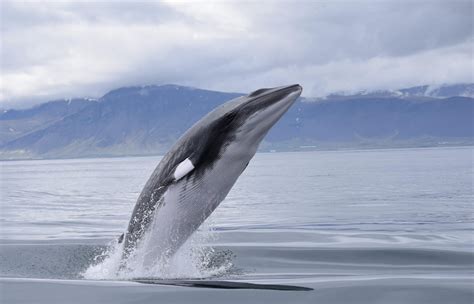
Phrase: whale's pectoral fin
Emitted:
{"points": [[120, 239], [183, 169]]}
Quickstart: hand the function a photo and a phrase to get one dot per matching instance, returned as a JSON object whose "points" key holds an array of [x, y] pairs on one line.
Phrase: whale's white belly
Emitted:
{"points": [[185, 206]]}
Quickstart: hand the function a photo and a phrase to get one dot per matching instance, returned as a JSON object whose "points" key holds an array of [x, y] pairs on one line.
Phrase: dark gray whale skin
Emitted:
{"points": [[245, 120]]}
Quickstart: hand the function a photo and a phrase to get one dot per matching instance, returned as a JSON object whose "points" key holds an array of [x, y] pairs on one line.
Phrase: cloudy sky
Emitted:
{"points": [[66, 49]]}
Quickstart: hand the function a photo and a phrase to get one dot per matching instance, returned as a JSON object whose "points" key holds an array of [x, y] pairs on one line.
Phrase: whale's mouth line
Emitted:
{"points": [[288, 90], [269, 98], [221, 284]]}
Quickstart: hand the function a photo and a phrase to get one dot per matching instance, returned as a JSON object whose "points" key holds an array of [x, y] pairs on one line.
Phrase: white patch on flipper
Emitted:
{"points": [[183, 169]]}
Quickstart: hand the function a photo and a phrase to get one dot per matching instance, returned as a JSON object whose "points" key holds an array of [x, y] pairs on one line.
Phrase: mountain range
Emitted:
{"points": [[145, 120]]}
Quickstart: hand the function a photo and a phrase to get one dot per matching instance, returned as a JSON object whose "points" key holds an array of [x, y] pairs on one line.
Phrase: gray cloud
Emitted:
{"points": [[65, 49]]}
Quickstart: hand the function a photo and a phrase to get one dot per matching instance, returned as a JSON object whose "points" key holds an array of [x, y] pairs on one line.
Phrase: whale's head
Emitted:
{"points": [[242, 122], [260, 110], [235, 129]]}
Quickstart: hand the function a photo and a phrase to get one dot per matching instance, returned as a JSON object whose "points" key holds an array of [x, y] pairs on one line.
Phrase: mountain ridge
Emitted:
{"points": [[143, 120]]}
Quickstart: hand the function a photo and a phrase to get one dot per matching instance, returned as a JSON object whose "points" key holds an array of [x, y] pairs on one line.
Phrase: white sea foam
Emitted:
{"points": [[193, 260]]}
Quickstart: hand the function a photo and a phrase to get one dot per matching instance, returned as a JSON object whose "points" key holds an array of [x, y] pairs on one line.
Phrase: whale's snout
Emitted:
{"points": [[264, 108], [277, 92], [296, 88]]}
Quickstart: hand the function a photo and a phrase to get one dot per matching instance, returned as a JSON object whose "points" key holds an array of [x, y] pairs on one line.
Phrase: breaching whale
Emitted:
{"points": [[200, 169]]}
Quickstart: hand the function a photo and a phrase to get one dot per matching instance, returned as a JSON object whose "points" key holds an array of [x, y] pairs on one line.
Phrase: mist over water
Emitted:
{"points": [[393, 224]]}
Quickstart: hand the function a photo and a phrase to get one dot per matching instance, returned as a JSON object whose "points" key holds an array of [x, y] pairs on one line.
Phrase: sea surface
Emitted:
{"points": [[368, 226]]}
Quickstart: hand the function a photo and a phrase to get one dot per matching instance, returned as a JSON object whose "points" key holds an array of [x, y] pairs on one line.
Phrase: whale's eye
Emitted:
{"points": [[258, 92]]}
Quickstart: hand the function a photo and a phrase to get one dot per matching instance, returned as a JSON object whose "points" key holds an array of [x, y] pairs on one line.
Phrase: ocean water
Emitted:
{"points": [[369, 226]]}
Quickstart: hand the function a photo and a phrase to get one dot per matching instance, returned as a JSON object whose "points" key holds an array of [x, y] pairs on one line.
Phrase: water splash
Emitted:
{"points": [[195, 259]]}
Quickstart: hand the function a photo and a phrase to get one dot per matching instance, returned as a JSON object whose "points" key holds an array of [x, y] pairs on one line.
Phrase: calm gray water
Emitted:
{"points": [[374, 226]]}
